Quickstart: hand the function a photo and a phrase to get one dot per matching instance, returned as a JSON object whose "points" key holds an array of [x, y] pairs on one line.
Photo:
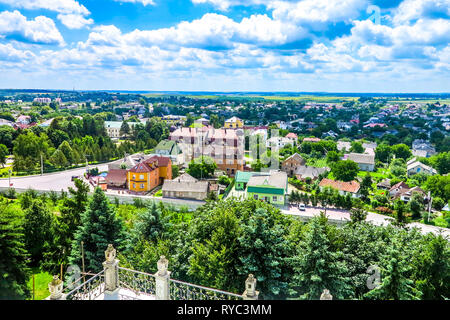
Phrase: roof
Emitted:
{"points": [[160, 161], [185, 186], [352, 186], [385, 183], [399, 185], [312, 139], [361, 158], [273, 180], [414, 164], [243, 176], [185, 177], [142, 167], [233, 119], [291, 135], [118, 176], [296, 157], [113, 124], [310, 171]]}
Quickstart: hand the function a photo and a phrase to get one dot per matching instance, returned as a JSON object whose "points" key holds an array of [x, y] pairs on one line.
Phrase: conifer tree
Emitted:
{"points": [[317, 267], [99, 227], [149, 225], [263, 252], [394, 282], [39, 230], [14, 272]]}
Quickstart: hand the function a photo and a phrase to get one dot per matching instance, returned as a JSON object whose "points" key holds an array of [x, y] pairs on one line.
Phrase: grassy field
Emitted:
{"points": [[41, 281]]}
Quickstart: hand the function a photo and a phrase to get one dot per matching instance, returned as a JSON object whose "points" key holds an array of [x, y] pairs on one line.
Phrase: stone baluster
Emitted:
{"points": [[111, 267], [326, 295], [250, 292], [56, 289], [162, 278]]}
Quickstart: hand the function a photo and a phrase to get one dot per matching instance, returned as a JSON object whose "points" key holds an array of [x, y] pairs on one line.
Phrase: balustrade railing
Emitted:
{"points": [[180, 290], [89, 290], [136, 281]]}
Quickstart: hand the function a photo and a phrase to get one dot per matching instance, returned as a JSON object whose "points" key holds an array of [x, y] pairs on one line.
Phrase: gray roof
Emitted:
{"points": [[185, 186], [311, 172], [362, 158], [275, 179]]}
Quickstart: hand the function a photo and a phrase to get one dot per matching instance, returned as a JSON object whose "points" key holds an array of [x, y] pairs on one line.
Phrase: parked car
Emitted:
{"points": [[301, 207], [75, 177]]}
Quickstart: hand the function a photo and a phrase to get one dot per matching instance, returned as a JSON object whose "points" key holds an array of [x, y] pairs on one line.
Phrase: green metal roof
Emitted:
{"points": [[165, 145], [242, 176], [265, 190]]}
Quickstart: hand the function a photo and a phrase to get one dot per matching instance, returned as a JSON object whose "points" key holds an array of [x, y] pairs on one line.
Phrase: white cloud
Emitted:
{"points": [[71, 13], [143, 2], [10, 54], [42, 30], [212, 31], [410, 10], [61, 6], [74, 21], [317, 12]]}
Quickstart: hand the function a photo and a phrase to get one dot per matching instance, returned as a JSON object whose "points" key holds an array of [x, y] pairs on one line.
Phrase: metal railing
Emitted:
{"points": [[137, 281], [179, 290], [89, 290]]}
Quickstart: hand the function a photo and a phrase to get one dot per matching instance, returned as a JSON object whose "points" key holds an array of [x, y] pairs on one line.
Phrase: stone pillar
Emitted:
{"points": [[162, 278], [56, 288], [111, 267], [250, 292], [326, 295]]}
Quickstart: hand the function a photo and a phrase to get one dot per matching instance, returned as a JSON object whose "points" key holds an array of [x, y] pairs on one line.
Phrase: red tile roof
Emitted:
{"points": [[161, 161], [352, 186]]}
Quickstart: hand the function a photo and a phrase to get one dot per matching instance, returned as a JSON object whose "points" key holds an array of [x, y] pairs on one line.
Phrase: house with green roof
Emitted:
{"points": [[170, 149], [270, 187], [241, 179]]}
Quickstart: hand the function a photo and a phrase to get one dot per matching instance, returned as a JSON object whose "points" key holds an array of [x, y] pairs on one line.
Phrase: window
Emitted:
{"points": [[274, 198], [134, 176], [134, 185], [255, 196], [142, 186], [141, 176]]}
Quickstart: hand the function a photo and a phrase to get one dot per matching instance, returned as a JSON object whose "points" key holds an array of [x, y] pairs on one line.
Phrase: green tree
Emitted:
{"points": [[203, 167], [58, 159], [366, 186], [416, 204], [383, 152], [14, 272], [124, 128], [263, 252], [99, 227], [395, 285], [317, 267], [401, 151], [3, 154], [39, 231], [345, 170], [332, 157], [149, 225], [357, 147]]}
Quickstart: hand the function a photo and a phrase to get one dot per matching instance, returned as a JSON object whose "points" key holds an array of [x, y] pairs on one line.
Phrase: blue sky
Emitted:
{"points": [[226, 45]]}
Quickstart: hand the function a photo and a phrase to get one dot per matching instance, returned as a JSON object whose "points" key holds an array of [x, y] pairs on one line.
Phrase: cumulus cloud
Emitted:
{"points": [[74, 21], [41, 30], [213, 31], [71, 13], [10, 54], [411, 10], [61, 6]]}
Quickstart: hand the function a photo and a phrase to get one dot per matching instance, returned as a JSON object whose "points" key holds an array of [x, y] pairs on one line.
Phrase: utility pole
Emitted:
{"points": [[9, 172], [42, 165], [430, 200]]}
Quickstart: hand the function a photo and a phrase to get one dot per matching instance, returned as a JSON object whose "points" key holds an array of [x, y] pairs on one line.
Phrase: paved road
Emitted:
{"points": [[377, 219], [51, 181]]}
